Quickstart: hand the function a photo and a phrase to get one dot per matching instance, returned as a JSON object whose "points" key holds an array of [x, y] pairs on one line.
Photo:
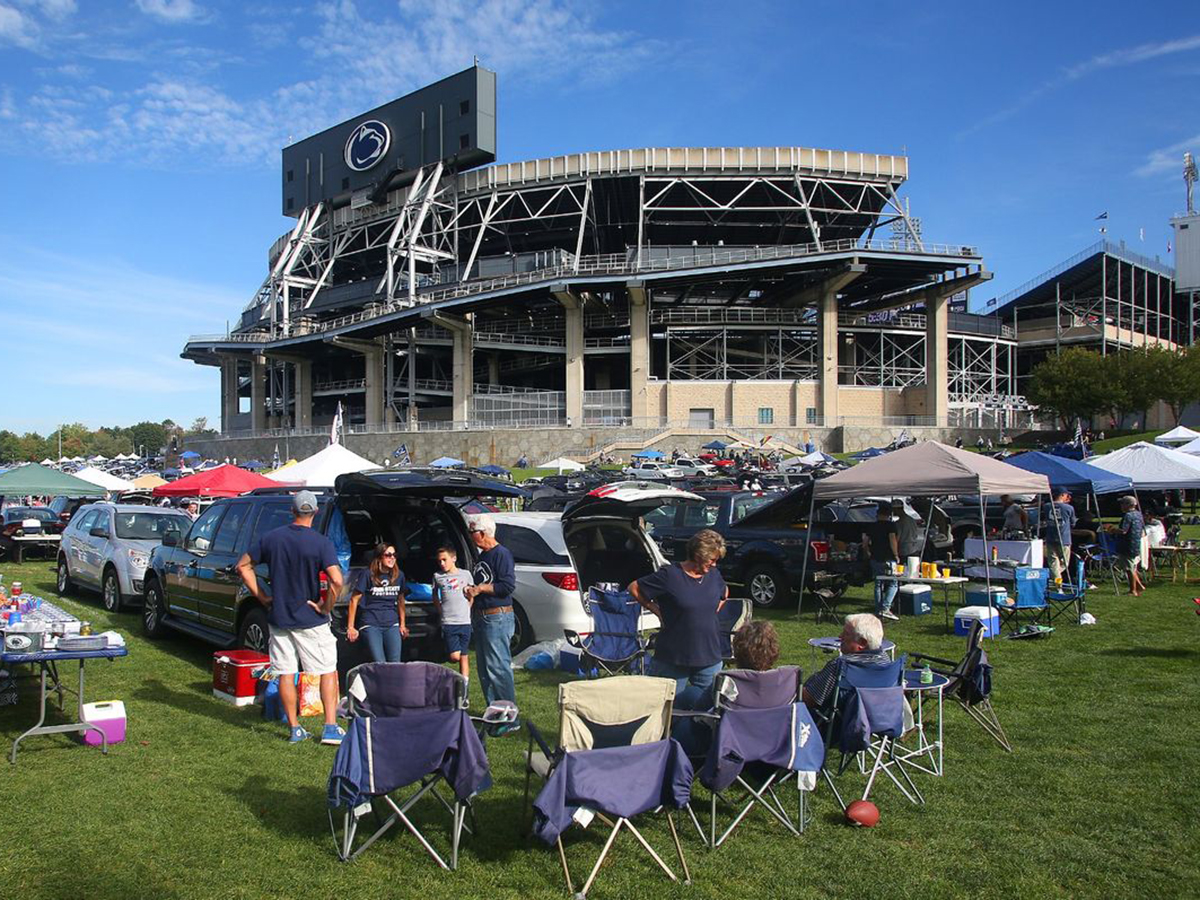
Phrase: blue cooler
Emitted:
{"points": [[966, 615], [915, 600], [977, 595]]}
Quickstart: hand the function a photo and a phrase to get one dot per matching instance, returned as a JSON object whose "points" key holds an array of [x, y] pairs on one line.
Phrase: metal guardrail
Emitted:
{"points": [[628, 265]]}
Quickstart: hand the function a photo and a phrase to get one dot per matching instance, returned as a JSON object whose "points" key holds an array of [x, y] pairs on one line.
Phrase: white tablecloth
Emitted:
{"points": [[1026, 553]]}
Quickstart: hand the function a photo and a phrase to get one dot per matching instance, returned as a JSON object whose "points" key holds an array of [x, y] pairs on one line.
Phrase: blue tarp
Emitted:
{"points": [[254, 465], [1071, 474], [492, 469], [446, 462], [649, 454], [870, 454]]}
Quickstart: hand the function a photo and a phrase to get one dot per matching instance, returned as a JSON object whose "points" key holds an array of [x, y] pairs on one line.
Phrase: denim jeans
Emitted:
{"points": [[384, 643], [493, 655], [693, 684], [885, 591]]}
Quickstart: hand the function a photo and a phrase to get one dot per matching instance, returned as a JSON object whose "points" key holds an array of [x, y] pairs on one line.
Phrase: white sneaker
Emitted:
{"points": [[888, 614]]}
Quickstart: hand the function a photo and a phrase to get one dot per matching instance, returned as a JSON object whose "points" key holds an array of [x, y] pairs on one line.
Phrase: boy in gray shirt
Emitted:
{"points": [[449, 584]]}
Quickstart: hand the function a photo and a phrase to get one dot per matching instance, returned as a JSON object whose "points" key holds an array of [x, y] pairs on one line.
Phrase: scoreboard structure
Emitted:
{"points": [[358, 161]]}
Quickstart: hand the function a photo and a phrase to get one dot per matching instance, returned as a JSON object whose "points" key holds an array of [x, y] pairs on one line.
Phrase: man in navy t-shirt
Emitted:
{"points": [[495, 576], [295, 556]]}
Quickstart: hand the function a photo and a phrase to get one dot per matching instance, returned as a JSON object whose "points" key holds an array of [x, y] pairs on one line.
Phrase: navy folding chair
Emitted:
{"points": [[1029, 598], [865, 720], [1072, 595], [762, 736], [735, 613], [970, 682], [408, 725], [615, 645], [1101, 558]]}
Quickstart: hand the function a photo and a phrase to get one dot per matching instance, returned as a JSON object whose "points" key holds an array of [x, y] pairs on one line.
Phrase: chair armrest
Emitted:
{"points": [[694, 714], [535, 735], [573, 638], [936, 659]]}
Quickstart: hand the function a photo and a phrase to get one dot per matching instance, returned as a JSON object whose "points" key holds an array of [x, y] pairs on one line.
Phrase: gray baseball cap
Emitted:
{"points": [[304, 503]]}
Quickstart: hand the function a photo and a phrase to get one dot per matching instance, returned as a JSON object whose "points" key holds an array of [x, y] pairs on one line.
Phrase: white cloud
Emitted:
{"points": [[1114, 59], [55, 9], [16, 27], [171, 10], [356, 61], [1168, 159]]}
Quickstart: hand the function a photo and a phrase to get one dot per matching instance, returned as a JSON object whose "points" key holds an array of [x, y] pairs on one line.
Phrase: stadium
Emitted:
{"points": [[599, 297]]}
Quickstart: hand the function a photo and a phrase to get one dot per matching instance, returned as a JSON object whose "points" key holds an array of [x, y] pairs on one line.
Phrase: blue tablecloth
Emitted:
{"points": [[62, 655]]}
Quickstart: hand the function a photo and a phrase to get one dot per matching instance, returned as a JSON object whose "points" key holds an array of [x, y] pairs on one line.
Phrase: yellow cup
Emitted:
{"points": [[945, 573], [899, 568]]}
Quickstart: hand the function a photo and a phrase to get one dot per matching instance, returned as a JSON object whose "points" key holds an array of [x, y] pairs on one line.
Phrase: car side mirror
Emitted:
{"points": [[99, 532], [171, 539]]}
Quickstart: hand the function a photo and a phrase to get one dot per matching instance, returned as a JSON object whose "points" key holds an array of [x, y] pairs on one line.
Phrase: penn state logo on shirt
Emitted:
{"points": [[483, 573], [368, 144]]}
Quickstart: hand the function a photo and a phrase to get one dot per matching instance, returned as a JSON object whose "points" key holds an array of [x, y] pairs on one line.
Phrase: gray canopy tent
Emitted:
{"points": [[928, 469]]}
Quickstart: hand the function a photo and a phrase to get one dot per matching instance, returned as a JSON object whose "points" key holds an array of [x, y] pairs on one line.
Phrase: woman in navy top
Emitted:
{"points": [[377, 606], [686, 597]]}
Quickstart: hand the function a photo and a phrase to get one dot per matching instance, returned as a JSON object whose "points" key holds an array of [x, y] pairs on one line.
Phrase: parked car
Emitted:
{"points": [[29, 529], [192, 584], [648, 469], [766, 536], [107, 548], [547, 599], [65, 507], [693, 467]]}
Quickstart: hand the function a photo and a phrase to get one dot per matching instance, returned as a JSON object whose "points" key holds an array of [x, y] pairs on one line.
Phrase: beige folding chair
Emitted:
{"points": [[619, 711]]}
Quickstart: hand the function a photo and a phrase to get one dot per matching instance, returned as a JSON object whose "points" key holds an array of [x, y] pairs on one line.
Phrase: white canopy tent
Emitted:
{"points": [[323, 467], [103, 479], [927, 469], [1191, 447], [1177, 435], [562, 464], [1151, 467]]}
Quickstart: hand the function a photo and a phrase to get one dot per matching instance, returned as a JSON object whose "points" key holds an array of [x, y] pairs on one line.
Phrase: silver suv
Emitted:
{"points": [[107, 547]]}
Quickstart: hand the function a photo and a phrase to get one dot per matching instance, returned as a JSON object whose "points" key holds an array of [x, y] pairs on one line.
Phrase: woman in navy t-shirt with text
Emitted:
{"points": [[377, 606], [686, 596]]}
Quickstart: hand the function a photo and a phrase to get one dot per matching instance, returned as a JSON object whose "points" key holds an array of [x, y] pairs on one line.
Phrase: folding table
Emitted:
{"points": [[47, 663], [924, 747]]}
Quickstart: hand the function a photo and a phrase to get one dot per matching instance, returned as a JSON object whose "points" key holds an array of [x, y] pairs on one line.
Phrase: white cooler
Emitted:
{"points": [[985, 614]]}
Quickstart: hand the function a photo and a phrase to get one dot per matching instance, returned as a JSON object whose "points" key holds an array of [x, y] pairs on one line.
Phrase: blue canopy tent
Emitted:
{"points": [[254, 465], [870, 453], [649, 454], [189, 454], [1071, 474], [493, 469], [446, 462], [715, 445]]}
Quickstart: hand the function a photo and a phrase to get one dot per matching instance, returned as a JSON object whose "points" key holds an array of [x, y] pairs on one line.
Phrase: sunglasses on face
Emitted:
{"points": [[391, 553]]}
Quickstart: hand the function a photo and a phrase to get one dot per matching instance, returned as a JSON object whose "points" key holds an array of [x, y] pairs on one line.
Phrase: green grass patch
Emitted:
{"points": [[1108, 445], [207, 801]]}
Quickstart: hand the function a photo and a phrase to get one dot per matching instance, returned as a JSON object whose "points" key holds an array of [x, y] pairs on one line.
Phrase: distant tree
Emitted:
{"points": [[149, 437], [10, 446], [200, 427], [32, 447], [1178, 378], [1070, 385], [1131, 382]]}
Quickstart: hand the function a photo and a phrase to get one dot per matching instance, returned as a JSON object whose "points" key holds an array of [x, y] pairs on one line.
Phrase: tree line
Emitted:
{"points": [[149, 438], [1082, 384]]}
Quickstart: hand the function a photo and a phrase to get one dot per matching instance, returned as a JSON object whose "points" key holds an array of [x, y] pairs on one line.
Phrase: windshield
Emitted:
{"points": [[40, 513], [743, 507], [148, 526]]}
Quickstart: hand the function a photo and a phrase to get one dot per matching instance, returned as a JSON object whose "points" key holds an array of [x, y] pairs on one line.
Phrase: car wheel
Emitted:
{"points": [[255, 631], [64, 577], [767, 585], [522, 631], [111, 590], [154, 609]]}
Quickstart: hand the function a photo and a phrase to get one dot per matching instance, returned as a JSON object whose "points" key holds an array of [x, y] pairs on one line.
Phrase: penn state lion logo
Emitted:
{"points": [[368, 144]]}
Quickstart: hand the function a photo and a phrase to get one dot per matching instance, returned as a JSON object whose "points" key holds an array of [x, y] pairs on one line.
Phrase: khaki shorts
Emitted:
{"points": [[1128, 563], [313, 649]]}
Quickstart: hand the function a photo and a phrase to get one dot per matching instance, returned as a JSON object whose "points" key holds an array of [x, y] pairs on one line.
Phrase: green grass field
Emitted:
{"points": [[207, 801]]}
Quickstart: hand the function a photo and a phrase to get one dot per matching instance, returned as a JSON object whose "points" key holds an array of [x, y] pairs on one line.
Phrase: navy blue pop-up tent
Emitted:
{"points": [[715, 445], [649, 454], [1071, 474]]}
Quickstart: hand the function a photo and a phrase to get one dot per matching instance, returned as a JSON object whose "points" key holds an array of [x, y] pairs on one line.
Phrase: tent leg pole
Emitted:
{"points": [[812, 500]]}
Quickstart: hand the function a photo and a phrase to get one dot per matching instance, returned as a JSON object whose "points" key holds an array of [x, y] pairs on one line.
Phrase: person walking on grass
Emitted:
{"points": [[295, 556], [1130, 553]]}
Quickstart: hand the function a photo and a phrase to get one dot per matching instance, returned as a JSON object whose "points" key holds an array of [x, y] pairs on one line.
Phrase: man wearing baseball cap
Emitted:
{"points": [[295, 556]]}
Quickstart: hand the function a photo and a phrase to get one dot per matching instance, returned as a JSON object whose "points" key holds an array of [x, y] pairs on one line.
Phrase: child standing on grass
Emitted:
{"points": [[449, 584]]}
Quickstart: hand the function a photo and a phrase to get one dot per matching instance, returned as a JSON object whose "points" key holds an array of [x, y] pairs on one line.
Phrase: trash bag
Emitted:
{"points": [[1087, 619], [547, 648]]}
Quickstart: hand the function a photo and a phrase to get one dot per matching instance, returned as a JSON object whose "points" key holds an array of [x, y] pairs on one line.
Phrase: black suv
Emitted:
{"points": [[765, 535], [192, 584]]}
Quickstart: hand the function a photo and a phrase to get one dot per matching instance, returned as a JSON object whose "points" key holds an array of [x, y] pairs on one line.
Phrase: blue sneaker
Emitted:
{"points": [[299, 735], [333, 734]]}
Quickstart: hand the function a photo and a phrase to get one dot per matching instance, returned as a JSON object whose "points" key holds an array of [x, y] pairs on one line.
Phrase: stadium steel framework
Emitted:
{"points": [[777, 286]]}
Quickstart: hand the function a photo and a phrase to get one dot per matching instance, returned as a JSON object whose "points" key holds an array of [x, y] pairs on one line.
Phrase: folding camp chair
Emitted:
{"points": [[408, 725], [971, 682], [1072, 596], [866, 719], [1100, 559], [615, 644], [619, 712], [730, 618], [1029, 598], [762, 733]]}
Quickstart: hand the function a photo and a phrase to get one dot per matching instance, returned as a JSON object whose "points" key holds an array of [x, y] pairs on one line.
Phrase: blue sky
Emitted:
{"points": [[139, 139]]}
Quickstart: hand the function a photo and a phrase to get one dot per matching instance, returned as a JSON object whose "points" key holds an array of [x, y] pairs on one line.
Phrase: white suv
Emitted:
{"points": [[646, 469], [693, 466], [547, 600]]}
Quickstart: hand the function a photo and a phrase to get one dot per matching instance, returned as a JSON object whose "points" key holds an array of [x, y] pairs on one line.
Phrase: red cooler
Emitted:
{"points": [[236, 675]]}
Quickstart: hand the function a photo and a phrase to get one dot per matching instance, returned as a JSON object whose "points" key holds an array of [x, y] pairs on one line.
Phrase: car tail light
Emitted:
{"points": [[820, 550], [564, 581]]}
